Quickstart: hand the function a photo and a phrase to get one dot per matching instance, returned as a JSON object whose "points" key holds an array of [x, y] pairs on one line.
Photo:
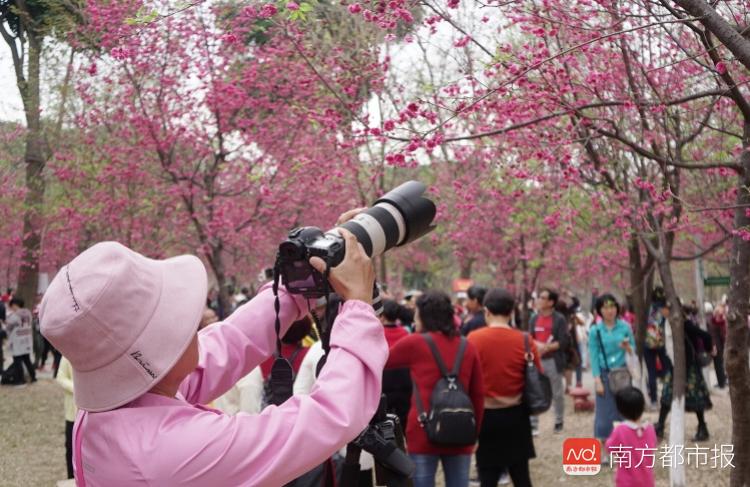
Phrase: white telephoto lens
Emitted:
{"points": [[396, 216], [374, 230]]}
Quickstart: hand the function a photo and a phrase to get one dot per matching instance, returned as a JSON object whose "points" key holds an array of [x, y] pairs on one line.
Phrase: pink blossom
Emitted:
{"points": [[268, 10], [355, 8], [389, 125], [293, 6], [405, 15], [721, 68], [229, 38], [462, 42]]}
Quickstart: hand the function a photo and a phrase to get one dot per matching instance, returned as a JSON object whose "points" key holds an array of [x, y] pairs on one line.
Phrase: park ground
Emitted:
{"points": [[33, 435]]}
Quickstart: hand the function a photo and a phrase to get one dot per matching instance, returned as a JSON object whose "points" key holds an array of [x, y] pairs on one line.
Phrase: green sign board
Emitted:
{"points": [[716, 281]]}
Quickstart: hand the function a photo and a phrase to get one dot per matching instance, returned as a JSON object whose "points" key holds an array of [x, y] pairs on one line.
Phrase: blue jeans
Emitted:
{"points": [[455, 469]]}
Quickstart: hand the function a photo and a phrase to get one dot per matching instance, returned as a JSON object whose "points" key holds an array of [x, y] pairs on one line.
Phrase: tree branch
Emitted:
{"points": [[715, 23], [707, 251], [709, 165]]}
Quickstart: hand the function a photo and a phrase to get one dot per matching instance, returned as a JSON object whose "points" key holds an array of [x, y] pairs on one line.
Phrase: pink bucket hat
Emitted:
{"points": [[122, 319]]}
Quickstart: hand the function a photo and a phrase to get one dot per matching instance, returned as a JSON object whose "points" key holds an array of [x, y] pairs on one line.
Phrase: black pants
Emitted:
{"points": [[721, 375], [69, 447], [519, 474], [25, 360], [56, 362], [46, 349], [650, 355]]}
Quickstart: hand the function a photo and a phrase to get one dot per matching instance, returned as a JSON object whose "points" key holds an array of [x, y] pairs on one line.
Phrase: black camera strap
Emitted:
{"points": [[282, 374], [325, 331]]}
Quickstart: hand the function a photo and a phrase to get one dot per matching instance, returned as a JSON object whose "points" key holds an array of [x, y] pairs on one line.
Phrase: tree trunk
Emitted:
{"points": [[679, 375], [723, 30], [736, 350], [217, 266], [466, 269], [638, 293], [35, 157], [638, 299], [677, 437]]}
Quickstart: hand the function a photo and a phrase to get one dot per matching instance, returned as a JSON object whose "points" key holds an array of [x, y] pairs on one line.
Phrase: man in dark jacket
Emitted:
{"points": [[550, 330]]}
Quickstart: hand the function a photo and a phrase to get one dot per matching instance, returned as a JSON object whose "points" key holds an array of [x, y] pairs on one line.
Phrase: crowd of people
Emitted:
{"points": [[431, 336], [19, 326], [566, 342]]}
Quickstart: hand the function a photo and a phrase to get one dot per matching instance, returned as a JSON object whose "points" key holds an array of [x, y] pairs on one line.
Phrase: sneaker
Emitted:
{"points": [[535, 431], [504, 479], [558, 428]]}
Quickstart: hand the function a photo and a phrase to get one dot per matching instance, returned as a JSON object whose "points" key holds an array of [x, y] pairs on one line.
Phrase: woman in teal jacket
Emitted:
{"points": [[616, 336]]}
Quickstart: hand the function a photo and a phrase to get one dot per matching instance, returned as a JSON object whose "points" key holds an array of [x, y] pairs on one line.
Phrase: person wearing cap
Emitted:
{"points": [[142, 372]]}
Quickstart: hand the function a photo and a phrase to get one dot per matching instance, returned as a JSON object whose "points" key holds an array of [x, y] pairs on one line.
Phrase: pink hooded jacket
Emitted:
{"points": [[158, 441]]}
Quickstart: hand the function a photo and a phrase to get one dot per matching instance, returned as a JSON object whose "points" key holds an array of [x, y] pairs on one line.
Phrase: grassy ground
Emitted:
{"points": [[32, 440]]}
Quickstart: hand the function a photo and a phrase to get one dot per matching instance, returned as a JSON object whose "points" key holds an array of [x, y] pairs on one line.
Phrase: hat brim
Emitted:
{"points": [[166, 336]]}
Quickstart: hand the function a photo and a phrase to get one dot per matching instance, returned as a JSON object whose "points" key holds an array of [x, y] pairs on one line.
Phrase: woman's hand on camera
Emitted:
{"points": [[354, 277]]}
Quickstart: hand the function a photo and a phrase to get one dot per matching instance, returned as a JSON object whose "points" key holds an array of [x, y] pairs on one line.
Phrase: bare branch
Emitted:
{"points": [[567, 111], [708, 165], [704, 252]]}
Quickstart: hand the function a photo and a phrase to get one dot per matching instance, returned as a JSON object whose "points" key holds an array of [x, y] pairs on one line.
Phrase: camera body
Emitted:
{"points": [[401, 216], [294, 255]]}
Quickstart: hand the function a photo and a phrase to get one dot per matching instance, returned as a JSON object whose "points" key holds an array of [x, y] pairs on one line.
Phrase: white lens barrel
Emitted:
{"points": [[396, 216], [374, 230]]}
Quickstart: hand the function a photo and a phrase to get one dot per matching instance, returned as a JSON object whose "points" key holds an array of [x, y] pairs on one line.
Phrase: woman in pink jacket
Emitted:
{"points": [[129, 326]]}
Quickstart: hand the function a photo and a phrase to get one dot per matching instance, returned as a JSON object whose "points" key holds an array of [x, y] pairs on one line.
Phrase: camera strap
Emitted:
{"points": [[282, 374], [325, 330]]}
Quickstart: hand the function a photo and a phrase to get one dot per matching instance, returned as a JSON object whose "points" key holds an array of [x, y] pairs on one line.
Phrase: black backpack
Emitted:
{"points": [[451, 420]]}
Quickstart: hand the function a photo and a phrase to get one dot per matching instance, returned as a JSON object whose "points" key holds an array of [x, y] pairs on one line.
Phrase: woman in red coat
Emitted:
{"points": [[434, 316]]}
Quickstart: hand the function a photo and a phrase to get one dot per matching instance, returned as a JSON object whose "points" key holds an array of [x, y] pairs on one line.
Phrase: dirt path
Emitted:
{"points": [[32, 436]]}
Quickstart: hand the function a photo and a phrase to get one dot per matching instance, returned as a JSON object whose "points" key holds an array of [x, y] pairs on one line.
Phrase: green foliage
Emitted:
{"points": [[41, 17], [145, 15]]}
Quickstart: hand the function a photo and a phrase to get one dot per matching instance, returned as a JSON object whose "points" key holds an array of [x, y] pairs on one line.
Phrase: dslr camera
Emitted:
{"points": [[401, 216]]}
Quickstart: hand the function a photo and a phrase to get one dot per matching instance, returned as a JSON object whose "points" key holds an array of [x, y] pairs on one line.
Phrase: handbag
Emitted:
{"points": [[699, 351], [619, 377], [537, 388]]}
